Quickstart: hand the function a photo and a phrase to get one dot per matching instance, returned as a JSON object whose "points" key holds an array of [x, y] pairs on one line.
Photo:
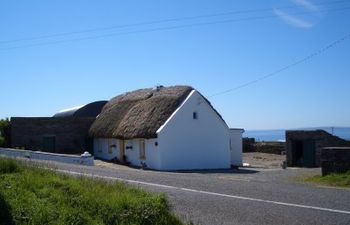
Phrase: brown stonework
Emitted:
{"points": [[70, 134], [335, 160]]}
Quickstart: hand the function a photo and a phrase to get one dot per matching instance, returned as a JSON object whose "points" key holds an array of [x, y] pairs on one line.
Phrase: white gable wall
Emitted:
{"points": [[188, 143], [152, 154]]}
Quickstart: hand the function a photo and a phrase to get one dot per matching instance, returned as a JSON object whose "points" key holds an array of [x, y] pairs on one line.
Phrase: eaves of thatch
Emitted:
{"points": [[138, 114]]}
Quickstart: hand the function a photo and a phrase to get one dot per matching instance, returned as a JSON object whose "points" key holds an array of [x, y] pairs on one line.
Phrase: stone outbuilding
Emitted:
{"points": [[65, 132], [303, 147]]}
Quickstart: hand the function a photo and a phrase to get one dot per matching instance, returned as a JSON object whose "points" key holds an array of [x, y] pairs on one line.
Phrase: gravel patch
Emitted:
{"points": [[263, 160]]}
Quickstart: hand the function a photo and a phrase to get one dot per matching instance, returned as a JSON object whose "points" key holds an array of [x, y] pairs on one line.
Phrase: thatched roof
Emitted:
{"points": [[138, 114]]}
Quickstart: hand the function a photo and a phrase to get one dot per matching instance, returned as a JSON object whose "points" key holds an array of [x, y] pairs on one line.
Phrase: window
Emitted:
{"points": [[195, 115], [129, 145], [142, 149]]}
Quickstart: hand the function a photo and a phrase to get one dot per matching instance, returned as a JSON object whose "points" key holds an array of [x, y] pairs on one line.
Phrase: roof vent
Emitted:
{"points": [[158, 87]]}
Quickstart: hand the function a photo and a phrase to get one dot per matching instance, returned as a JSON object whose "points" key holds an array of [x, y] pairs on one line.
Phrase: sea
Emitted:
{"points": [[279, 134]]}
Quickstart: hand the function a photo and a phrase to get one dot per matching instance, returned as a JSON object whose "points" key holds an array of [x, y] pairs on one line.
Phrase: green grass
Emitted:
{"points": [[36, 196], [335, 179]]}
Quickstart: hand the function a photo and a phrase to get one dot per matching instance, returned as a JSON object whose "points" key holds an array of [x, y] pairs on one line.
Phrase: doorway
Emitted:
{"points": [[122, 157], [49, 143], [303, 153]]}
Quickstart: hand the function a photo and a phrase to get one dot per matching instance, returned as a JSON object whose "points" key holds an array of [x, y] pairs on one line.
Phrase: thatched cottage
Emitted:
{"points": [[164, 128]]}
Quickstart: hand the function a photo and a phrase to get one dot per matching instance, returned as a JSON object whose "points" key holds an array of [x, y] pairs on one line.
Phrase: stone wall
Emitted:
{"points": [[71, 134], [271, 147], [335, 160]]}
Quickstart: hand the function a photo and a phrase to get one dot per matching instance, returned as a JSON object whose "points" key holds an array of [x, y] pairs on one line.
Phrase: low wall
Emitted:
{"points": [[249, 145], [72, 159], [335, 160]]}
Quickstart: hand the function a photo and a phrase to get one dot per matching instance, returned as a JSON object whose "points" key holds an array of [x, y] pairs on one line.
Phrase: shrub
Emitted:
{"points": [[5, 127]]}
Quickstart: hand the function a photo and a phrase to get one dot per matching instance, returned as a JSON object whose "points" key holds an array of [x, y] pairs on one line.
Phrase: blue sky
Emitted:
{"points": [[212, 49]]}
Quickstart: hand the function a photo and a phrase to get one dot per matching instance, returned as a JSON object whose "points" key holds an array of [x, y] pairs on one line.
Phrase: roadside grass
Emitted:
{"points": [[30, 195], [334, 179]]}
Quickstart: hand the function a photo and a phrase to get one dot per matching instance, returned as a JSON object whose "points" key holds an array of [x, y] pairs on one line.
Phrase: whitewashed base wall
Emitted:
{"points": [[72, 159]]}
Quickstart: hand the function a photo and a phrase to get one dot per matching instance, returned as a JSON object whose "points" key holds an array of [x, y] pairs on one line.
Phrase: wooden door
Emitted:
{"points": [[122, 150], [309, 153], [142, 149]]}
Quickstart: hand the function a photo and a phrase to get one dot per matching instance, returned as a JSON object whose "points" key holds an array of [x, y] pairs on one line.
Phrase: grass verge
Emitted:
{"points": [[36, 196], [334, 179]]}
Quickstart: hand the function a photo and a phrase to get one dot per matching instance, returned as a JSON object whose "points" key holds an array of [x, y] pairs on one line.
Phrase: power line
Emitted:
{"points": [[158, 22], [158, 29], [282, 69]]}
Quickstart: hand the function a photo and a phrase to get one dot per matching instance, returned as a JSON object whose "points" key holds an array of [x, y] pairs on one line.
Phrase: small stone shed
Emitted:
{"points": [[304, 147]]}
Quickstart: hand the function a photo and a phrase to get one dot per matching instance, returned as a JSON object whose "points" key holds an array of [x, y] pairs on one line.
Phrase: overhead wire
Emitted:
{"points": [[161, 21], [161, 29], [284, 68]]}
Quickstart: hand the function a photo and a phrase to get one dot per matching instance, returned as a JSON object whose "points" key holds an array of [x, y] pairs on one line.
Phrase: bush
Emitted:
{"points": [[5, 136]]}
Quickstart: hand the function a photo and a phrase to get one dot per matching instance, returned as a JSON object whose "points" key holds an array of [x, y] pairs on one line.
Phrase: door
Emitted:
{"points": [[49, 143], [122, 150], [309, 153], [142, 149]]}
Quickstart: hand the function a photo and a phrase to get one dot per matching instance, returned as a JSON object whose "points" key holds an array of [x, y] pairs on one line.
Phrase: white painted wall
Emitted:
{"points": [[64, 158], [101, 148], [132, 154], [236, 146], [187, 143], [152, 154]]}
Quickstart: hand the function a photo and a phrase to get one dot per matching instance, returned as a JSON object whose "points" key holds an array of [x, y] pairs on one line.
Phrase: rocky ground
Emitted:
{"points": [[263, 160]]}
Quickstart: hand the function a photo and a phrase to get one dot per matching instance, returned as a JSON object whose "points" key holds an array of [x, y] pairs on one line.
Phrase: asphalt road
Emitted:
{"points": [[249, 196]]}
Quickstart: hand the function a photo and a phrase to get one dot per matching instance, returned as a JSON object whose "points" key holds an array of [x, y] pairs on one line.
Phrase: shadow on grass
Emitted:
{"points": [[6, 217]]}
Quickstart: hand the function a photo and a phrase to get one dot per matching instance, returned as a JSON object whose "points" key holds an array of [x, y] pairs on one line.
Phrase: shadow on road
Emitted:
{"points": [[223, 171]]}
